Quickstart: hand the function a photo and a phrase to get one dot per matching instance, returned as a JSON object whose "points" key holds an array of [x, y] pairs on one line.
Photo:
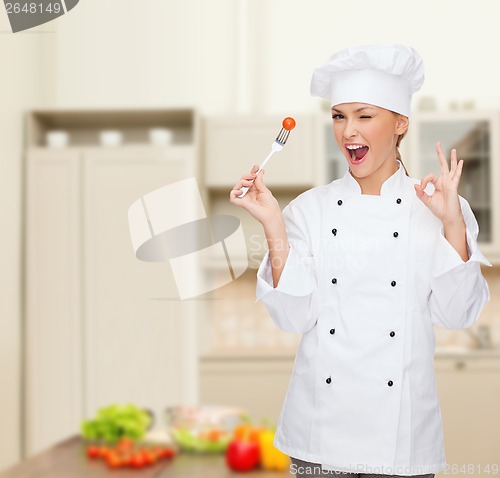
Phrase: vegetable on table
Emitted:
{"points": [[126, 453], [115, 422], [242, 455], [270, 457], [252, 446], [210, 441]]}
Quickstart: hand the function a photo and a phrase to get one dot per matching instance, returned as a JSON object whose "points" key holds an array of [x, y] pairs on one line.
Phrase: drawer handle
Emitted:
{"points": [[460, 364]]}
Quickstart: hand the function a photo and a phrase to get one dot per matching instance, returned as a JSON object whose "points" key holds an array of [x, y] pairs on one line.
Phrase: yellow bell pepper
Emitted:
{"points": [[270, 457]]}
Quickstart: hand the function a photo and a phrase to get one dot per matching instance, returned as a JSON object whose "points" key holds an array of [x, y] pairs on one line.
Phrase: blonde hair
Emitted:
{"points": [[398, 154]]}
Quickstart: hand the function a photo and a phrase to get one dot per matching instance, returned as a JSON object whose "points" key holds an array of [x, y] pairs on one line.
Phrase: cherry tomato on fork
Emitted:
{"points": [[288, 123]]}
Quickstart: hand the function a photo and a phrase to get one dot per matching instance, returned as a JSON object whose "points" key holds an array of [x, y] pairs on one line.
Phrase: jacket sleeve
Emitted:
{"points": [[458, 289], [293, 304]]}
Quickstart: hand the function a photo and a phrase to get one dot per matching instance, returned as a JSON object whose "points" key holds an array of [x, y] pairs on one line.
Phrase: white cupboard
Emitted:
{"points": [[101, 326], [53, 300], [469, 391], [234, 144]]}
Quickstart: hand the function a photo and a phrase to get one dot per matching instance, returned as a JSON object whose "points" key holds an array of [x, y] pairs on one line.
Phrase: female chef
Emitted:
{"points": [[363, 268]]}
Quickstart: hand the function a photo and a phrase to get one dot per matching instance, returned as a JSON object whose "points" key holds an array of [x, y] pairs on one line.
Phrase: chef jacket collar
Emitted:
{"points": [[391, 184]]}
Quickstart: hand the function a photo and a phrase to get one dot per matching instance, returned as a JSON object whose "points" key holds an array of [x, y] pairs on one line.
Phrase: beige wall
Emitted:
{"points": [[159, 53], [209, 53], [25, 83]]}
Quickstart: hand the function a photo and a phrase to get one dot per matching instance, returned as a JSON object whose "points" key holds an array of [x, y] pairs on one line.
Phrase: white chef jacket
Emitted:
{"points": [[366, 279]]}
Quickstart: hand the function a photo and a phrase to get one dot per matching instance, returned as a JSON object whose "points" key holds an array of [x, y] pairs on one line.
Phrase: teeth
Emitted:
{"points": [[353, 146]]}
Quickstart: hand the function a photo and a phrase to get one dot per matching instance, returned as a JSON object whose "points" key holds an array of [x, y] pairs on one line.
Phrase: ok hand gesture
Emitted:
{"points": [[444, 201]]}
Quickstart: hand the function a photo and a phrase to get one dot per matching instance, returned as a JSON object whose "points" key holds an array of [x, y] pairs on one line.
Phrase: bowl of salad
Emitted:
{"points": [[203, 429]]}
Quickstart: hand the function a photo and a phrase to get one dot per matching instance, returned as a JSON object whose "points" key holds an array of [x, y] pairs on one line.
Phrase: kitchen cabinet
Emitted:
{"points": [[475, 136], [234, 144], [258, 383], [100, 325], [469, 391], [53, 308]]}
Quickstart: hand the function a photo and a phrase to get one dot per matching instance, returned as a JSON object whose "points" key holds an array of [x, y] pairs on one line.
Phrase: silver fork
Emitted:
{"points": [[277, 146]]}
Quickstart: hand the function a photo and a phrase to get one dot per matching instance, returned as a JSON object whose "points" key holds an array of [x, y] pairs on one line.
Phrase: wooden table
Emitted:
{"points": [[69, 460]]}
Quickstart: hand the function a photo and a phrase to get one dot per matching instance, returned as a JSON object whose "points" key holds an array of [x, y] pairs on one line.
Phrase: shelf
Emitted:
{"points": [[171, 151], [83, 126]]}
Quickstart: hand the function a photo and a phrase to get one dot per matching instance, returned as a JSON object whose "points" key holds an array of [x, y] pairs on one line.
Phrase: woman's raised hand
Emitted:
{"points": [[258, 201], [444, 201]]}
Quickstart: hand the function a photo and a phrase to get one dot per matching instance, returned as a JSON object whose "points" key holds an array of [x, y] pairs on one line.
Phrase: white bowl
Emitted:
{"points": [[160, 136], [57, 139], [111, 137]]}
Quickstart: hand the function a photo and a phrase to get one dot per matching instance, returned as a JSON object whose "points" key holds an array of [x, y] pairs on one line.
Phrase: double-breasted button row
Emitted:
{"points": [[329, 381], [395, 234], [398, 201], [334, 232]]}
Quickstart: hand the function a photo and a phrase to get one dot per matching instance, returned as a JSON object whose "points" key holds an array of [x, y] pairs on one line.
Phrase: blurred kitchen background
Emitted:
{"points": [[83, 322]]}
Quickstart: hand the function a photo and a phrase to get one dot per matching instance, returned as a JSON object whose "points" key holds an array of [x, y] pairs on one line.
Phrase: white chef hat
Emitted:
{"points": [[380, 75]]}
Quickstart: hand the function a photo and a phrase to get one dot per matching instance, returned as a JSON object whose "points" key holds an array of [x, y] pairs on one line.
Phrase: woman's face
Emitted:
{"points": [[367, 135]]}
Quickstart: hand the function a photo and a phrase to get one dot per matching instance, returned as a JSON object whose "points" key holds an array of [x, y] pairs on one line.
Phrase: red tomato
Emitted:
{"points": [[137, 460], [93, 451], [167, 453], [113, 460], [242, 455], [127, 459], [104, 451], [288, 123], [149, 457], [124, 445]]}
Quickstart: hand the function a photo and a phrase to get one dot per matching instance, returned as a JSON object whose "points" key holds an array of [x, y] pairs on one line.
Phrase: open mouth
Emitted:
{"points": [[357, 151]]}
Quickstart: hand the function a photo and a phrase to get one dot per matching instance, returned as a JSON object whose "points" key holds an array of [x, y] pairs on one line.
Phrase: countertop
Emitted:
{"points": [[440, 352], [68, 460]]}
